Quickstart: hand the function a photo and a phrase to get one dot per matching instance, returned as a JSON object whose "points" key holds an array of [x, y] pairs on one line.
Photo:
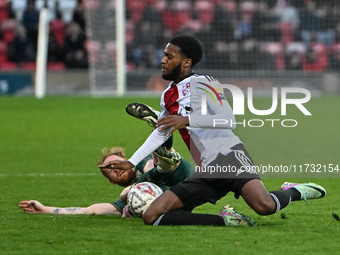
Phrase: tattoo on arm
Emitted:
{"points": [[56, 211]]}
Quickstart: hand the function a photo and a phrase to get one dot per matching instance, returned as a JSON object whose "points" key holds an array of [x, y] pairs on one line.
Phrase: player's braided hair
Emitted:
{"points": [[119, 151], [190, 47]]}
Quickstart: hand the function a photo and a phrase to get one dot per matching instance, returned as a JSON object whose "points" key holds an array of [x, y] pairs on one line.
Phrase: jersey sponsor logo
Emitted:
{"points": [[220, 92], [209, 93], [186, 89]]}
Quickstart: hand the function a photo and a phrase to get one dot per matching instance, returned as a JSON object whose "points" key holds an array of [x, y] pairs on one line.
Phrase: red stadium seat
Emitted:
{"points": [[3, 51], [56, 66], [3, 10], [319, 53], [8, 28], [320, 48], [205, 11], [175, 20], [136, 8], [8, 66], [29, 65]]}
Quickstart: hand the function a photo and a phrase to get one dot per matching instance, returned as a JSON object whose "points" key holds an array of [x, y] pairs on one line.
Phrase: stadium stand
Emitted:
{"points": [[293, 33]]}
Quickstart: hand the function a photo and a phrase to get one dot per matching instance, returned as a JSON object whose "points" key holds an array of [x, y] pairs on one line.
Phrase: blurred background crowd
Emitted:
{"points": [[236, 34]]}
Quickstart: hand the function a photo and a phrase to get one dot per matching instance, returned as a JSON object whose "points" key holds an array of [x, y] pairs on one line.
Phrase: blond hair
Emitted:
{"points": [[118, 151]]}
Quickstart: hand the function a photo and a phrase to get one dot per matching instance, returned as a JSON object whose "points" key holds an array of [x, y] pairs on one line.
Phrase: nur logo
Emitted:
{"points": [[204, 96]]}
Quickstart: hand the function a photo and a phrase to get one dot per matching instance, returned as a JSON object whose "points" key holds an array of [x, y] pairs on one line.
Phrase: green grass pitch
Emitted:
{"points": [[48, 152]]}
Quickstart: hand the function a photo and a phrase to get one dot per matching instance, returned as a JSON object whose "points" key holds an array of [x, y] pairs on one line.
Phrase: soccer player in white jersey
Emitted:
{"points": [[208, 147]]}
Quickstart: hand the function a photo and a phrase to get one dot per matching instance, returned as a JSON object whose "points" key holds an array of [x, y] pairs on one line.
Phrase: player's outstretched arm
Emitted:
{"points": [[34, 206]]}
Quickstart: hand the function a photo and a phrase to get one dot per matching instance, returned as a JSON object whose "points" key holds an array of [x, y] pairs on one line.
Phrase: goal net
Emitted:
{"points": [[101, 45], [250, 43]]}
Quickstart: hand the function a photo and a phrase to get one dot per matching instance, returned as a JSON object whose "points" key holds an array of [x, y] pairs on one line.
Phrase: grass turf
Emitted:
{"points": [[48, 152]]}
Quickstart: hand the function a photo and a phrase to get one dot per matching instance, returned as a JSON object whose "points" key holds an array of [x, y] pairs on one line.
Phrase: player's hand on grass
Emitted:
{"points": [[173, 121], [32, 206], [117, 164], [126, 212]]}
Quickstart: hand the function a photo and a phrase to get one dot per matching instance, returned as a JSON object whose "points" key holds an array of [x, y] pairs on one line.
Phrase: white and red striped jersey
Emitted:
{"points": [[204, 140]]}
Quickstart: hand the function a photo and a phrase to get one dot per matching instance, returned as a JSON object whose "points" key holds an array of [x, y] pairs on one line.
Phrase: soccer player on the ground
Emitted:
{"points": [[165, 167], [181, 108]]}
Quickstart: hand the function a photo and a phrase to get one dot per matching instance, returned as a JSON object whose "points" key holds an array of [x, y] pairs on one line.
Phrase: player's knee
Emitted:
{"points": [[265, 207], [149, 217]]}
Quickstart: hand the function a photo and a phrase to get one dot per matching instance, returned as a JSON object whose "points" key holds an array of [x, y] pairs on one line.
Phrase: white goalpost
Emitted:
{"points": [[40, 73], [121, 49]]}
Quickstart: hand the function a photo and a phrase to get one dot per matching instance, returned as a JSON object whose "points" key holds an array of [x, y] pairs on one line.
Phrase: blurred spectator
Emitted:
{"points": [[205, 11], [153, 14], [218, 57], [330, 20], [294, 54], [244, 27], [314, 60], [10, 11], [289, 21], [293, 61], [3, 10], [135, 9], [144, 45], [79, 15], [289, 14], [310, 24], [148, 41], [57, 28], [222, 27], [56, 36], [23, 49], [75, 53], [30, 20], [248, 55], [54, 48], [300, 4], [334, 58], [176, 15], [266, 23]]}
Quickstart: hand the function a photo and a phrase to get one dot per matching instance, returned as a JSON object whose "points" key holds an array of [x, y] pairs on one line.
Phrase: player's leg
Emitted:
{"points": [[306, 190], [168, 210], [165, 203], [251, 188], [261, 201], [247, 183], [265, 203], [143, 112], [165, 152], [171, 207]]}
